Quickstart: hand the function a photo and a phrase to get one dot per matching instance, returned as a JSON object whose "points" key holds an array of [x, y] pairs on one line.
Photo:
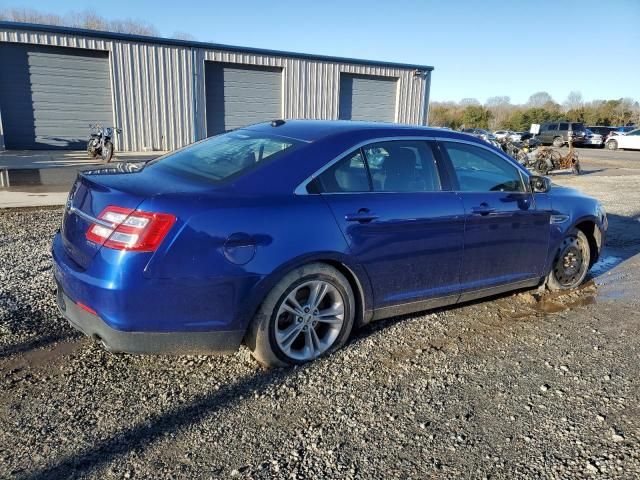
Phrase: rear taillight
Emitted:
{"points": [[128, 229]]}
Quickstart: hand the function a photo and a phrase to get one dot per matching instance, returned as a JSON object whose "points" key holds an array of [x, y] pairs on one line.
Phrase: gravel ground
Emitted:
{"points": [[518, 386]]}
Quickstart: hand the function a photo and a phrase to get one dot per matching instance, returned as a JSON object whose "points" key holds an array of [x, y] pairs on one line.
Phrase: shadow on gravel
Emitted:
{"points": [[139, 436]]}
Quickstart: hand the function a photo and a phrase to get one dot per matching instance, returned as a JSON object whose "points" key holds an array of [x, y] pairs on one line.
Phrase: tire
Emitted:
{"points": [[612, 145], [278, 337], [576, 168], [543, 167], [91, 152], [522, 158], [571, 262], [107, 152], [558, 142]]}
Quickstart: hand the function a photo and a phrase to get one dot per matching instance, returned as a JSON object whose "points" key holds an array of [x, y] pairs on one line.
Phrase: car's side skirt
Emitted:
{"points": [[431, 303]]}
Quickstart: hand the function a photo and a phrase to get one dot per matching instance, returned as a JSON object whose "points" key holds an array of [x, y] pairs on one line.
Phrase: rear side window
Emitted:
{"points": [[346, 175], [577, 126], [402, 166], [479, 170], [225, 156]]}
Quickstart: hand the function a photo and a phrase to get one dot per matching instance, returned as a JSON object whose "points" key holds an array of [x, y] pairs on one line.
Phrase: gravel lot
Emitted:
{"points": [[519, 386]]}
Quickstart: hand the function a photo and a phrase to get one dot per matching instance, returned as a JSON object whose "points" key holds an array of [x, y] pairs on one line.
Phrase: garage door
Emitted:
{"points": [[368, 98], [241, 95], [50, 95]]}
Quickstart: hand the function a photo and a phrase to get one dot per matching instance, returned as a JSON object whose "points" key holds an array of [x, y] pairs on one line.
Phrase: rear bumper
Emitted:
{"points": [[218, 342]]}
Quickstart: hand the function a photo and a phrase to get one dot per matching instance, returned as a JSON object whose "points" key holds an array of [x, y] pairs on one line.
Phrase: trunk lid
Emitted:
{"points": [[88, 197], [121, 184]]}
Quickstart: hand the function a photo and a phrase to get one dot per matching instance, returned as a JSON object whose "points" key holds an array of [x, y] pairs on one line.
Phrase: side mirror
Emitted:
{"points": [[539, 184]]}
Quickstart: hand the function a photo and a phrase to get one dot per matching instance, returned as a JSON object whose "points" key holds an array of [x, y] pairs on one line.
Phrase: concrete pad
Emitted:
{"points": [[31, 199], [14, 159]]}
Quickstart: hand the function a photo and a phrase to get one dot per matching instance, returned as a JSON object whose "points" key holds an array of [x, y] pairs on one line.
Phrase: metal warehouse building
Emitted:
{"points": [[165, 93]]}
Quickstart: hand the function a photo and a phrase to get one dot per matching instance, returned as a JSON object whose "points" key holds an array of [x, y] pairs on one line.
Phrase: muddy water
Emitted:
{"points": [[43, 358]]}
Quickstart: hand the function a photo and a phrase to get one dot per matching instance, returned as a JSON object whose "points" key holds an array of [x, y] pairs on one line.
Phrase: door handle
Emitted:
{"points": [[483, 209], [362, 216]]}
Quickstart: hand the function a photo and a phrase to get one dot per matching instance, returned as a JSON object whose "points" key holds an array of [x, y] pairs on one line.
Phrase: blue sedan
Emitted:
{"points": [[286, 235]]}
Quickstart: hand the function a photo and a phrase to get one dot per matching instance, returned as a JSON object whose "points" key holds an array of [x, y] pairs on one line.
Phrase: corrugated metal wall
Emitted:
{"points": [[153, 86]]}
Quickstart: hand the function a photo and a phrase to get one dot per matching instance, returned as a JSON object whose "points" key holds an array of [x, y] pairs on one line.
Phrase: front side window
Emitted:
{"points": [[479, 170], [224, 156], [402, 166], [564, 126], [346, 175]]}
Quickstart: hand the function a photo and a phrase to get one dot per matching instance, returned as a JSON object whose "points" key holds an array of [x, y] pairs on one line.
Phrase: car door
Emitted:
{"points": [[400, 219], [506, 236], [630, 140]]}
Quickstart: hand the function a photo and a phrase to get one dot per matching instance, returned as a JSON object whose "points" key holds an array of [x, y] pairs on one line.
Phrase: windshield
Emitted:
{"points": [[224, 156]]}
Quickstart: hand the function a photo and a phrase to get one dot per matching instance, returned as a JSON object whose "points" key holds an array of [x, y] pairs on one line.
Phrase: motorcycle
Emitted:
{"points": [[101, 142], [520, 151]]}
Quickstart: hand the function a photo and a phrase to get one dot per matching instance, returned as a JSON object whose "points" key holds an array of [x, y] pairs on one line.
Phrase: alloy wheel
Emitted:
{"points": [[309, 320]]}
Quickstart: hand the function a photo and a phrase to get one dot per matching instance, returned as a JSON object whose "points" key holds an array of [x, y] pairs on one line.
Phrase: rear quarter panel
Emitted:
{"points": [[249, 242]]}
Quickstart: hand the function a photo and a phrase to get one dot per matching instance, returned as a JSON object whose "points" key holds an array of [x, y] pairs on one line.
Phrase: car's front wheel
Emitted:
{"points": [[612, 145], [309, 313], [558, 142], [571, 263]]}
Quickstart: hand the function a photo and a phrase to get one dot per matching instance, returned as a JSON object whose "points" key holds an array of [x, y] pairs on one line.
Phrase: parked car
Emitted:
{"points": [[629, 141], [516, 136], [285, 235], [557, 133], [602, 130], [593, 139], [500, 134], [623, 130], [482, 134]]}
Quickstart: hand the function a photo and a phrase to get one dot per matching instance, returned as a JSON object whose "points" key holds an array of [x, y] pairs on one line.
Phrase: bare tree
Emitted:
{"points": [[469, 101], [539, 99], [86, 19], [574, 100], [498, 101], [183, 36], [500, 108]]}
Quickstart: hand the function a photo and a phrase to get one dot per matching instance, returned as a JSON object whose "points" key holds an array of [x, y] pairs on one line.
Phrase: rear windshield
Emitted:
{"points": [[225, 156]]}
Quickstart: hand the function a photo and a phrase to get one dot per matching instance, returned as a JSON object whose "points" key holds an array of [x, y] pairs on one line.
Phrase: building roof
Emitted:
{"points": [[206, 45]]}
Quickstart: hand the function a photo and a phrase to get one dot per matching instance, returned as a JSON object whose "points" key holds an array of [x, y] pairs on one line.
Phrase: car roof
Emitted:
{"points": [[312, 130]]}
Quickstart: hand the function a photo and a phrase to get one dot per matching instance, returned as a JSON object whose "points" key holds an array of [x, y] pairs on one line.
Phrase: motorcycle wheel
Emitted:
{"points": [[107, 152], [522, 158], [542, 166], [91, 151], [575, 168]]}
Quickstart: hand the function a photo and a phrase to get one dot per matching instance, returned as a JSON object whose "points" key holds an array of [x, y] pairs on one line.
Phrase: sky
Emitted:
{"points": [[479, 48]]}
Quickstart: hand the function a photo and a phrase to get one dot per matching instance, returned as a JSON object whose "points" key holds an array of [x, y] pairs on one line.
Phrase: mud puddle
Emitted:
{"points": [[42, 358]]}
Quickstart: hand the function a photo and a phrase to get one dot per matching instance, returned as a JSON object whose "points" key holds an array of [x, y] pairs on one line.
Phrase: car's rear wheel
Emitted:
{"points": [[612, 145], [558, 142], [308, 314], [571, 263]]}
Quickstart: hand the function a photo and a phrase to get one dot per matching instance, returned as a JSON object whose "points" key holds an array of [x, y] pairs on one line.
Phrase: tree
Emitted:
{"points": [[86, 19], [573, 101], [476, 116], [469, 101], [539, 99], [498, 101]]}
